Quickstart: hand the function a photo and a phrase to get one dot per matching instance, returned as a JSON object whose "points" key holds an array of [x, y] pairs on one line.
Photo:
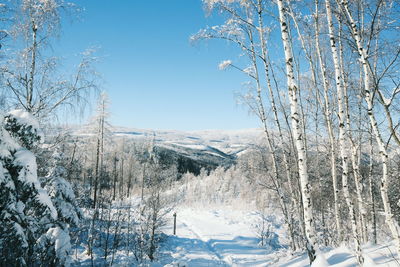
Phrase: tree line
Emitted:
{"points": [[59, 192], [323, 81]]}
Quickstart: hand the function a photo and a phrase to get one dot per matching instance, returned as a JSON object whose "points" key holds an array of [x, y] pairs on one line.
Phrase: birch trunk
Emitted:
{"points": [[298, 135], [30, 85], [265, 61], [371, 189], [355, 159], [271, 147], [356, 172], [390, 220], [342, 133], [328, 121]]}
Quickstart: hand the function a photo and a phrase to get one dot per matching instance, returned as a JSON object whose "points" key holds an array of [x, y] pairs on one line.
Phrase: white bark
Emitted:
{"points": [[298, 134], [390, 220], [30, 85], [355, 159], [342, 133], [328, 120], [265, 61], [371, 189], [271, 146]]}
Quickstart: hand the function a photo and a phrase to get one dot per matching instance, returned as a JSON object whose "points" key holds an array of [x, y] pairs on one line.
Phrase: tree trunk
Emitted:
{"points": [[30, 85], [371, 189], [390, 220], [275, 177], [328, 121], [342, 133], [298, 135], [265, 61], [115, 174]]}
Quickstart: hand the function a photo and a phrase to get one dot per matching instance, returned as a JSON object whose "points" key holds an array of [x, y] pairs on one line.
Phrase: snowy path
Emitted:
{"points": [[210, 238], [227, 238]]}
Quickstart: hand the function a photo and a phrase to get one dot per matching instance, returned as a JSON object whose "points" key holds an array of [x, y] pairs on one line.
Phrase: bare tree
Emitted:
{"points": [[34, 81], [343, 138], [369, 99], [298, 133]]}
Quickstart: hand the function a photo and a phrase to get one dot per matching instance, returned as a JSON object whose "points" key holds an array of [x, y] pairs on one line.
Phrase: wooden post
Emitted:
{"points": [[174, 223]]}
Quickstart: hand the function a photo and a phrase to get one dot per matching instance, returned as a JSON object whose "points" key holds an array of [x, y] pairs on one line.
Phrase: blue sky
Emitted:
{"points": [[154, 77]]}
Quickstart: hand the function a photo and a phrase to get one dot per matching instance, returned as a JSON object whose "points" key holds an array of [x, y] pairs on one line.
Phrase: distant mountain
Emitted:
{"points": [[191, 150]]}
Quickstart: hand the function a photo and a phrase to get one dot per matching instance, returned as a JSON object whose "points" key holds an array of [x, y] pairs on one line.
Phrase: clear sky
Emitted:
{"points": [[155, 78]]}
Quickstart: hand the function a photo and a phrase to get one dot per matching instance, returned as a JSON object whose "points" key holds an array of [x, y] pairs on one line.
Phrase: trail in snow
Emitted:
{"points": [[209, 238], [227, 237]]}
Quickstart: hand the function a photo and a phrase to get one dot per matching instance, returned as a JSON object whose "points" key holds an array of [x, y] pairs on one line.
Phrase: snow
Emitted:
{"points": [[215, 237], [28, 121], [375, 255], [7, 143], [368, 262], [27, 159], [225, 236], [228, 141], [62, 241], [25, 118], [28, 174], [224, 64], [45, 200], [56, 240], [20, 232], [2, 171], [320, 261], [250, 71], [62, 196]]}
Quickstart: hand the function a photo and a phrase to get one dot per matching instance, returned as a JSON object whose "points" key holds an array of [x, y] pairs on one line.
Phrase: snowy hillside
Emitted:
{"points": [[229, 142], [227, 236], [208, 236], [192, 150]]}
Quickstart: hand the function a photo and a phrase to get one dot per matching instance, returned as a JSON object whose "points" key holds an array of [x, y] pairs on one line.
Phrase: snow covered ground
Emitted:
{"points": [[227, 235], [231, 142], [223, 237], [215, 238]]}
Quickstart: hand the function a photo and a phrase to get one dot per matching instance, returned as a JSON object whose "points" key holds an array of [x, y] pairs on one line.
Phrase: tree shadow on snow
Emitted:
{"points": [[187, 252]]}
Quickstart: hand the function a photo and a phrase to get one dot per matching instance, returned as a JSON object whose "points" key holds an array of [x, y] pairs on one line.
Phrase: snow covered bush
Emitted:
{"points": [[56, 242], [61, 193], [53, 248], [26, 210], [33, 229]]}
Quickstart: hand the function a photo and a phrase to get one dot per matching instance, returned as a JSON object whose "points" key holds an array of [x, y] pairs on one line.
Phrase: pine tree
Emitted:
{"points": [[56, 242], [26, 211]]}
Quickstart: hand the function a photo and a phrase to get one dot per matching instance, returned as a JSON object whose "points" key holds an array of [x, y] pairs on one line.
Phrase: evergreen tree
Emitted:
{"points": [[26, 211], [55, 244]]}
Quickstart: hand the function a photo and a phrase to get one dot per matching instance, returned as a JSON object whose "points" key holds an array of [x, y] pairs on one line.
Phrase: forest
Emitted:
{"points": [[320, 176]]}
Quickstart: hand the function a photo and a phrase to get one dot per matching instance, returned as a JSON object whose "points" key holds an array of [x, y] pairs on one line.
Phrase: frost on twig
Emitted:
{"points": [[224, 64]]}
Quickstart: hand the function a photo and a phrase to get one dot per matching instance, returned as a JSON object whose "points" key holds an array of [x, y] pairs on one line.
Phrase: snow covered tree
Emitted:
{"points": [[298, 132], [35, 224], [102, 128], [31, 76], [61, 193], [26, 211], [63, 199], [369, 92]]}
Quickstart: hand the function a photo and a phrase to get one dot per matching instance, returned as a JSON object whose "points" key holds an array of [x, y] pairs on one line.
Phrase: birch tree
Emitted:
{"points": [[102, 125], [35, 82], [369, 99], [328, 120], [298, 133], [343, 138]]}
